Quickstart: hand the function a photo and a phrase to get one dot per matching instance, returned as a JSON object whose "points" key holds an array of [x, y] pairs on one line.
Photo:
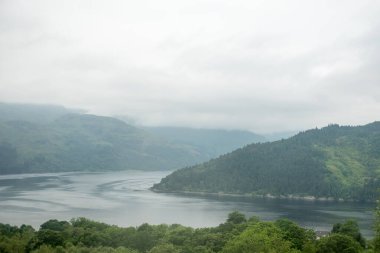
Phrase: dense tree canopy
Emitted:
{"points": [[349, 228], [338, 243], [237, 234]]}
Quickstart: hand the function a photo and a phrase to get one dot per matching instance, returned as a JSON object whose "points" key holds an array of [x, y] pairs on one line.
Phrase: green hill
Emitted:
{"points": [[76, 142], [335, 161]]}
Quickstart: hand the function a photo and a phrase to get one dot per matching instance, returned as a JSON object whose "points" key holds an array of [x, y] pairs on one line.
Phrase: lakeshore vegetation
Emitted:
{"points": [[236, 235]]}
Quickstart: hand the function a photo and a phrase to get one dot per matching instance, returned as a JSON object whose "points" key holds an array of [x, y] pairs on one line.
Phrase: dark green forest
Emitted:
{"points": [[338, 162], [236, 235]]}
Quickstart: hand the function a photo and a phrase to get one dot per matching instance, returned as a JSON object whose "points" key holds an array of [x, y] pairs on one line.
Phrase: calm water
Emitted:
{"points": [[123, 198]]}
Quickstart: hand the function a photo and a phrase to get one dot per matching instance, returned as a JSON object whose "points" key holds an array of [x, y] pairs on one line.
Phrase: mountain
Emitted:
{"points": [[339, 162], [210, 142], [35, 113], [77, 142]]}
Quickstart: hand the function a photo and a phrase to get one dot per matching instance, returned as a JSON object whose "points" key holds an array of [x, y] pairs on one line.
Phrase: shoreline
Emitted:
{"points": [[262, 196]]}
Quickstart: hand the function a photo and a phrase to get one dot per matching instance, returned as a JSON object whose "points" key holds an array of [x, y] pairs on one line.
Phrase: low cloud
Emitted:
{"points": [[259, 65]]}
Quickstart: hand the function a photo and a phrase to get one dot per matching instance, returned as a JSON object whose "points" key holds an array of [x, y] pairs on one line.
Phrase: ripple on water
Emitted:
{"points": [[123, 198]]}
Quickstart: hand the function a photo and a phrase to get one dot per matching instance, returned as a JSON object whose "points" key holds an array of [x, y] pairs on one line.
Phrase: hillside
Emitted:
{"points": [[335, 161], [210, 142], [76, 142], [35, 113]]}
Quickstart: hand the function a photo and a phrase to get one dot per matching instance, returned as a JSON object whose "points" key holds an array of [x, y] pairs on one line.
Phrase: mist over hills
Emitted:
{"points": [[210, 142], [36, 113], [44, 138], [335, 161], [80, 142]]}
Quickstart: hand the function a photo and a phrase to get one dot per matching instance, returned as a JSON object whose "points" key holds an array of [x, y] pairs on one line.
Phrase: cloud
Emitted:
{"points": [[259, 65]]}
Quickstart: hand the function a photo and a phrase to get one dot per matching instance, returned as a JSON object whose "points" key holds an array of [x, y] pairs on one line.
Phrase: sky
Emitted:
{"points": [[265, 66]]}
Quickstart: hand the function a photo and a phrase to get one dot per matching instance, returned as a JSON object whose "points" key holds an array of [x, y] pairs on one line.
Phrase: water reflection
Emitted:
{"points": [[123, 198]]}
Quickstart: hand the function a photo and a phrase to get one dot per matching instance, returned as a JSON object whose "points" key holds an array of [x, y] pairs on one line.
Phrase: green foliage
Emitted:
{"points": [[81, 249], [237, 234], [50, 237], [376, 240], [164, 248], [261, 237], [299, 237], [349, 228], [236, 218], [338, 243], [332, 162], [14, 239], [55, 225]]}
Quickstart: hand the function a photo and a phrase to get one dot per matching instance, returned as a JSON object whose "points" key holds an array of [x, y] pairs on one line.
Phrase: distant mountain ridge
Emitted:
{"points": [[211, 142], [44, 138], [35, 113], [339, 162], [81, 142]]}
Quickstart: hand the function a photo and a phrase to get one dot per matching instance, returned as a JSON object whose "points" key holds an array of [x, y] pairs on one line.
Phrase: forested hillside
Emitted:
{"points": [[78, 142], [335, 161], [49, 138], [236, 235]]}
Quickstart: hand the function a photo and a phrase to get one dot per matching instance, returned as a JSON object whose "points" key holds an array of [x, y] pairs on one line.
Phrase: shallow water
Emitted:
{"points": [[123, 198]]}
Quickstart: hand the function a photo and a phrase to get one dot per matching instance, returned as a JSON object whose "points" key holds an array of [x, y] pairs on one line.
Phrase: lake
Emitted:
{"points": [[124, 199]]}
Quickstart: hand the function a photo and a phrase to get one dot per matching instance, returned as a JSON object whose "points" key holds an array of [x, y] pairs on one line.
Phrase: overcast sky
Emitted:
{"points": [[258, 65]]}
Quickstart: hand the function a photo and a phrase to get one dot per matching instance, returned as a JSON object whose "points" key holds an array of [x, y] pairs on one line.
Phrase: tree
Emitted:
{"points": [[179, 235], [55, 225], [350, 228], [261, 237], [338, 243], [164, 248], [50, 237], [236, 218], [376, 240], [295, 234]]}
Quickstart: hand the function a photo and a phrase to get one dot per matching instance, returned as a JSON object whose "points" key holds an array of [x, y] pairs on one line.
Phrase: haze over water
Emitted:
{"points": [[124, 199]]}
